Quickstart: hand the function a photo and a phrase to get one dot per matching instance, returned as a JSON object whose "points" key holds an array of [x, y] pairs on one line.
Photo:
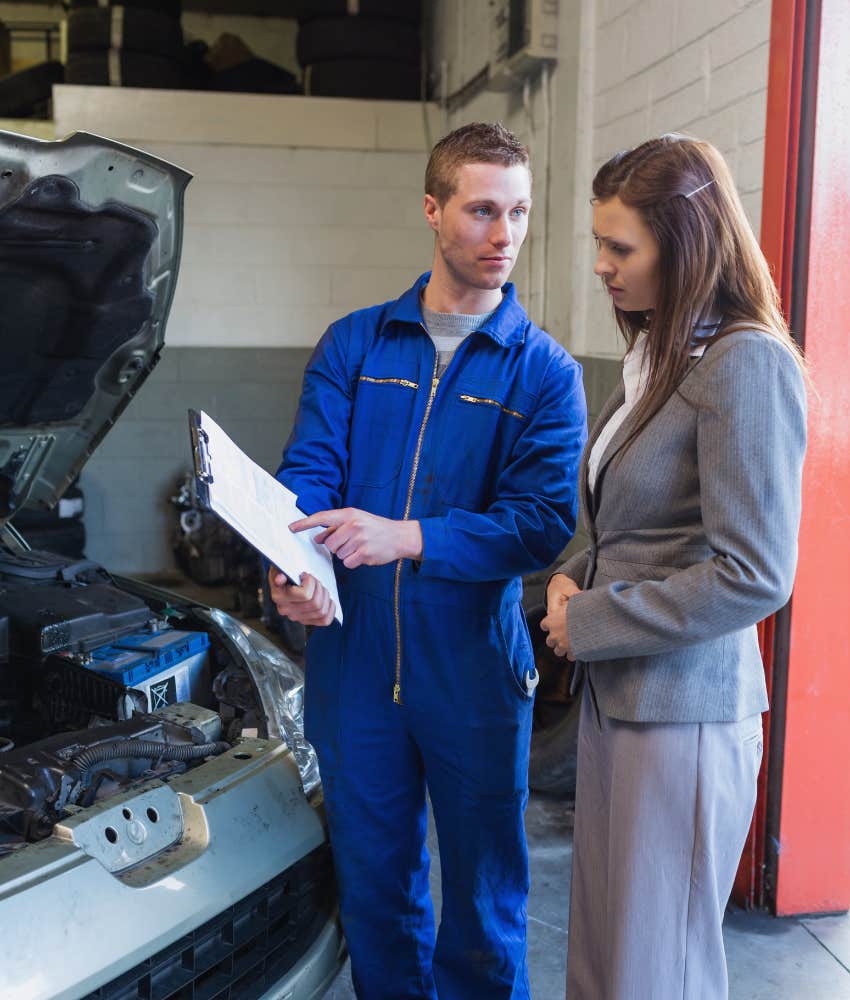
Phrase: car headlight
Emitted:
{"points": [[280, 684]]}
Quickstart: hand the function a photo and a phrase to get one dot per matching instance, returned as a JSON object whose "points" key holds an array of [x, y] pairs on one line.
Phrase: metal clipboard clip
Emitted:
{"points": [[201, 452]]}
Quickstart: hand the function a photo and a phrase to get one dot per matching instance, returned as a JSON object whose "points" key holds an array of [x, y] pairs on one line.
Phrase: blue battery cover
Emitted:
{"points": [[136, 658]]}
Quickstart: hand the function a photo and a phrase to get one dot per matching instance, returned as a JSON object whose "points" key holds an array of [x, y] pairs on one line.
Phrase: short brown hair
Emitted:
{"points": [[478, 142]]}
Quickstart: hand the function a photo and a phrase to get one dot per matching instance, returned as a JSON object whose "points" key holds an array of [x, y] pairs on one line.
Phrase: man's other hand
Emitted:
{"points": [[308, 603], [358, 538]]}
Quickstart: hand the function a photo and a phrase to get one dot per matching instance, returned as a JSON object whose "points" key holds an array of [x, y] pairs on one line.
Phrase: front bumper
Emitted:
{"points": [[75, 922]]}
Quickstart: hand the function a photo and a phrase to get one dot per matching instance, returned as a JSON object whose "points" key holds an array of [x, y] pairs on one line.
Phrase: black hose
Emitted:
{"points": [[128, 749]]}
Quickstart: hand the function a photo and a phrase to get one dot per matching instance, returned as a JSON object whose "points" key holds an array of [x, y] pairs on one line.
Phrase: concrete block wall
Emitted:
{"points": [[279, 242]]}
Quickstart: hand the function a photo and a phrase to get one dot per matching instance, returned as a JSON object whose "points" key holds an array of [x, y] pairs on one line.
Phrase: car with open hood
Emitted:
{"points": [[161, 824]]}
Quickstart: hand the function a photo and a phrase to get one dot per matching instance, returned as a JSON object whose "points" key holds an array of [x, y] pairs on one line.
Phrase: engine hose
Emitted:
{"points": [[128, 749]]}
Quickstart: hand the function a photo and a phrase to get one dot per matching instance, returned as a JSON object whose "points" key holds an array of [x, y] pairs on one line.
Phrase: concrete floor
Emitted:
{"points": [[768, 958]]}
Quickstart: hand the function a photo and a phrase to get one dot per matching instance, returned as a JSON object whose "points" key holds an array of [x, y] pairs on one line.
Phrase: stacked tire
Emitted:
{"points": [[360, 48], [128, 43]]}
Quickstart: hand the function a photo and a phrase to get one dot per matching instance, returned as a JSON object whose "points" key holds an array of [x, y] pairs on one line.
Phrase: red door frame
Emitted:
{"points": [[813, 836], [781, 153], [806, 216]]}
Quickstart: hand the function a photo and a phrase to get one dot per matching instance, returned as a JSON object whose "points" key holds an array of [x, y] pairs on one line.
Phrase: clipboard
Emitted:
{"points": [[256, 506]]}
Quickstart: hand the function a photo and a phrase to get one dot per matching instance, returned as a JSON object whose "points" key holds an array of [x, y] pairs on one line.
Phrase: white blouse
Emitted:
{"points": [[635, 373]]}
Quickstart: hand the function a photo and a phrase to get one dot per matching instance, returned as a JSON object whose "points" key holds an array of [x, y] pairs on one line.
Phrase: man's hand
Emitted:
{"points": [[358, 538], [309, 604], [560, 589]]}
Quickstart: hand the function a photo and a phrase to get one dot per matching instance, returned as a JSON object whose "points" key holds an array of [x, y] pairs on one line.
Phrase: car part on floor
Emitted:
{"points": [[209, 552]]}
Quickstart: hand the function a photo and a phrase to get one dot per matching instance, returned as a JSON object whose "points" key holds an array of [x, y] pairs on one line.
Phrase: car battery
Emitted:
{"points": [[167, 666]]}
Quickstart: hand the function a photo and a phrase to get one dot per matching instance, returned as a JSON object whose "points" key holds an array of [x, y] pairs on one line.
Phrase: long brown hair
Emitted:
{"points": [[710, 264]]}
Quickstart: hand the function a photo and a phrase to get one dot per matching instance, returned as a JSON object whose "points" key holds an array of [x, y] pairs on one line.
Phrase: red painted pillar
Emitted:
{"points": [[781, 154], [813, 864]]}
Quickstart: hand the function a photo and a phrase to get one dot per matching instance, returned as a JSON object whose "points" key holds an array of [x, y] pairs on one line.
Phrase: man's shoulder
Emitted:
{"points": [[541, 349]]}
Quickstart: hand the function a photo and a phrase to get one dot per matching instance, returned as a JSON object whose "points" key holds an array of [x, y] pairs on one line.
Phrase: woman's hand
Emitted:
{"points": [[560, 589]]}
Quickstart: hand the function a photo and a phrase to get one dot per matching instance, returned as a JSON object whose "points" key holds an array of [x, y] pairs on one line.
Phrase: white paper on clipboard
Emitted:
{"points": [[259, 507]]}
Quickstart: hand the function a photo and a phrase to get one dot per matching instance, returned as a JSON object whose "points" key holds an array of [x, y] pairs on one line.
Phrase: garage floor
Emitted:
{"points": [[769, 959]]}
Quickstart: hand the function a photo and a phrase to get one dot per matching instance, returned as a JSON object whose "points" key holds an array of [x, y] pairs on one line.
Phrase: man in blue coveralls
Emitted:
{"points": [[437, 443]]}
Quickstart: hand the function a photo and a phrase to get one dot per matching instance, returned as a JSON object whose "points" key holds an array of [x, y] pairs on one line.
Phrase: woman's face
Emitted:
{"points": [[626, 255]]}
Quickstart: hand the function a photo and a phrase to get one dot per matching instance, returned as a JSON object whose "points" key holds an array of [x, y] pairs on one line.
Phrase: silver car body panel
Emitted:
{"points": [[245, 820]]}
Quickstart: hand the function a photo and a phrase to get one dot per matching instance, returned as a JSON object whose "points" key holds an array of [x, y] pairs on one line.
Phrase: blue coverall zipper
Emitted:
{"points": [[435, 381]]}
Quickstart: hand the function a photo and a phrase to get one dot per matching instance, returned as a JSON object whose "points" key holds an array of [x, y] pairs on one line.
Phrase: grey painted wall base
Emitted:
{"points": [[251, 393]]}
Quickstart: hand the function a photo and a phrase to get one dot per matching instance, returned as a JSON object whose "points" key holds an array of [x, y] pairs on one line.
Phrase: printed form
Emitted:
{"points": [[257, 506]]}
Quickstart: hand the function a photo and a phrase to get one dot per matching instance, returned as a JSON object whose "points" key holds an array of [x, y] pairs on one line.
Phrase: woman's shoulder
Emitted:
{"points": [[742, 360]]}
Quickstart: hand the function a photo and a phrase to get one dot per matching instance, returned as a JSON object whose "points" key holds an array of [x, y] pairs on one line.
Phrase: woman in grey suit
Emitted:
{"points": [[690, 488]]}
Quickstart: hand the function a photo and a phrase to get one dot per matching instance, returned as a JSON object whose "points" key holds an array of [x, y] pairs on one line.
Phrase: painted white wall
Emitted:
{"points": [[628, 69], [300, 210]]}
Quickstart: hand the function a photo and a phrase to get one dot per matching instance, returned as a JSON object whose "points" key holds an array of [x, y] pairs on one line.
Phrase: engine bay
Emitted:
{"points": [[101, 688]]}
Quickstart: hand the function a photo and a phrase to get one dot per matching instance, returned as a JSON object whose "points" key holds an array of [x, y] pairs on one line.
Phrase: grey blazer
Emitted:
{"points": [[693, 539]]}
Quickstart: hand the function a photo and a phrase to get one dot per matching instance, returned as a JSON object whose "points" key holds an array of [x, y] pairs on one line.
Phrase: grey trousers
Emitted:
{"points": [[662, 813]]}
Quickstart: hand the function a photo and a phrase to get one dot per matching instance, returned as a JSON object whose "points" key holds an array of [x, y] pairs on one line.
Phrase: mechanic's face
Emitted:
{"points": [[626, 255], [481, 226]]}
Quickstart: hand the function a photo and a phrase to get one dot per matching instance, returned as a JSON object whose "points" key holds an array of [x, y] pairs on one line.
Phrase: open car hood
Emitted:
{"points": [[90, 237]]}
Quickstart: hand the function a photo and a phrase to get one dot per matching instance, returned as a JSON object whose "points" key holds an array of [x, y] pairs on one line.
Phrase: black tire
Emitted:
{"points": [[329, 38], [140, 31], [171, 8], [23, 92], [135, 70], [364, 78], [554, 737], [400, 10]]}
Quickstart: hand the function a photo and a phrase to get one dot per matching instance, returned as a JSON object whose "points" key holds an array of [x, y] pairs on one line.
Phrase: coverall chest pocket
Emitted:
{"points": [[482, 421], [383, 414]]}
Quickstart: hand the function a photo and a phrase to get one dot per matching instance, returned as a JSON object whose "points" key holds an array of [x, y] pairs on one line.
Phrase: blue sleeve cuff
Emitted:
{"points": [[435, 546]]}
